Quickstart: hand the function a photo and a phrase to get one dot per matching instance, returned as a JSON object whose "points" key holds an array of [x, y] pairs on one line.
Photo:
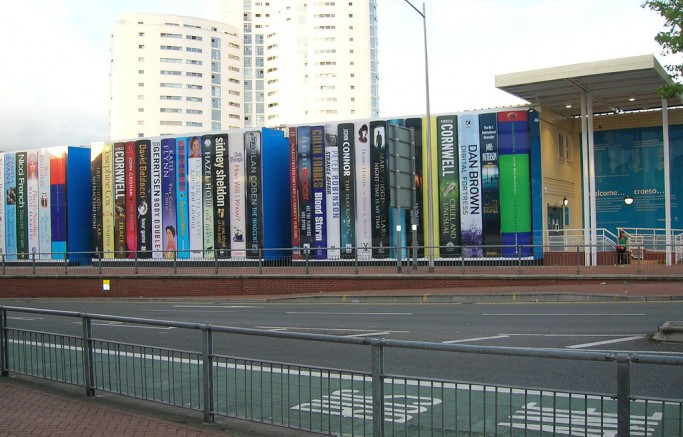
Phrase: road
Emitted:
{"points": [[618, 326]]}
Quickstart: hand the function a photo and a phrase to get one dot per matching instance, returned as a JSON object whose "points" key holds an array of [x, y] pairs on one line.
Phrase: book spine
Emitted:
{"points": [[120, 200], [131, 201], [449, 189], [380, 190], [144, 199], [3, 201], [108, 224], [168, 197], [471, 234], [157, 201], [332, 216], [294, 194], [58, 202], [22, 209], [96, 200], [32, 201], [194, 196], [252, 141], [363, 192], [221, 211], [236, 188], [318, 184], [347, 195], [303, 135], [488, 138], [207, 195], [183, 237]]}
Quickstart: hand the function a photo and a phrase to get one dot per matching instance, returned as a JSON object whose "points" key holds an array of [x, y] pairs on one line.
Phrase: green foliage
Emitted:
{"points": [[671, 40]]}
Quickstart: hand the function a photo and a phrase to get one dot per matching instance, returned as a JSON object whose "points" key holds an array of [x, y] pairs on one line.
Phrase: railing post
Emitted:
{"points": [[207, 352], [88, 357], [462, 260], [377, 346], [260, 260], [33, 263], [519, 259], [66, 263], [640, 254], [175, 261], [3, 264], [355, 260], [4, 342], [99, 262], [623, 395], [215, 261], [578, 260], [135, 254], [306, 255]]}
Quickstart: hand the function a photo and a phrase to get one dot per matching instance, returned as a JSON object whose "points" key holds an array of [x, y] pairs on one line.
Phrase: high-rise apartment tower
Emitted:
{"points": [[172, 74], [306, 60]]}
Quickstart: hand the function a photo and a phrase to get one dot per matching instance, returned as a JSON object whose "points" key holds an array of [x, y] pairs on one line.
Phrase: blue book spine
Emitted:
{"points": [[183, 237], [168, 197], [10, 206]]}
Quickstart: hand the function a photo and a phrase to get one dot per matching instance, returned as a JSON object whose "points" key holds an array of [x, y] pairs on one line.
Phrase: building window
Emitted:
{"points": [[193, 37], [194, 111], [193, 62], [193, 99], [171, 98], [141, 109], [171, 72], [193, 87], [141, 97], [171, 35], [141, 122], [171, 60], [193, 50], [193, 74], [170, 85], [170, 123], [193, 124], [176, 48], [141, 33], [141, 46], [171, 110]]}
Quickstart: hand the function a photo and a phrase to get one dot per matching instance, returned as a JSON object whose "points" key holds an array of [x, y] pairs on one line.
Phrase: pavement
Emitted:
{"points": [[36, 407]]}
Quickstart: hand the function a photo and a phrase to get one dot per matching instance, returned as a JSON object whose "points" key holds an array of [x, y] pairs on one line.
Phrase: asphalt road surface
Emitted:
{"points": [[618, 326]]}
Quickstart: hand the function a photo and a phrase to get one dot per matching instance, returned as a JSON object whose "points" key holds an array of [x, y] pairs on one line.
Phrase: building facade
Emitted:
{"points": [[172, 74], [307, 61]]}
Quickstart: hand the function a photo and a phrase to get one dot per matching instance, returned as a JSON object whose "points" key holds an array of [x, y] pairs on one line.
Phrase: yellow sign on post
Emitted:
{"points": [[105, 285]]}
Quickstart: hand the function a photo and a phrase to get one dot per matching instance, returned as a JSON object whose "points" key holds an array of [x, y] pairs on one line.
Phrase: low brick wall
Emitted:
{"points": [[188, 286]]}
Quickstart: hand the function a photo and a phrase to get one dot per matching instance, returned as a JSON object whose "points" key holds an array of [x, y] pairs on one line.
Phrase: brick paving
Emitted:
{"points": [[28, 411]]}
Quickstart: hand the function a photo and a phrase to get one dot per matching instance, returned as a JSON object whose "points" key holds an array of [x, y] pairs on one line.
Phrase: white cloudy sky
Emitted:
{"points": [[55, 55]]}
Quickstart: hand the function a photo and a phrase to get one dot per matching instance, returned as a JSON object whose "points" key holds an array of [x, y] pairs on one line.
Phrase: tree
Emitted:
{"points": [[671, 40]]}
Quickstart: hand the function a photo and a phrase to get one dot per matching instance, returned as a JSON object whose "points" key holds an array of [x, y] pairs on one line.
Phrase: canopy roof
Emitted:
{"points": [[623, 84]]}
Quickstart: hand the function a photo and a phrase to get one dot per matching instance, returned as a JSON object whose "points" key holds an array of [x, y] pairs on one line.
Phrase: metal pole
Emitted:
{"points": [[430, 188], [260, 260], [4, 343], [667, 180], [623, 396], [377, 346], [215, 261], [135, 254], [355, 261], [207, 353], [33, 263], [88, 358], [99, 262]]}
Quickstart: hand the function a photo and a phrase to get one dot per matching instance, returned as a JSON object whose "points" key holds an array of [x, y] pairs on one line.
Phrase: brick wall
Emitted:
{"points": [[183, 286]]}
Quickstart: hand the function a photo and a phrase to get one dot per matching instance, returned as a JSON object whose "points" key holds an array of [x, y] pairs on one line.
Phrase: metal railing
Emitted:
{"points": [[331, 400], [554, 258]]}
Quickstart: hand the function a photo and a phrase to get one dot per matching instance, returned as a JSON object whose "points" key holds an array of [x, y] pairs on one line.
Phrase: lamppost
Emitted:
{"points": [[430, 200]]}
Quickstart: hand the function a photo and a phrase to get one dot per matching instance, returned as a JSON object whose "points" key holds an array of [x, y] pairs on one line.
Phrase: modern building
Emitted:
{"points": [[173, 74], [307, 61]]}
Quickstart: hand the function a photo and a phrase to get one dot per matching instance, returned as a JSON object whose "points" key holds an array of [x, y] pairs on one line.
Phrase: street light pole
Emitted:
{"points": [[430, 200]]}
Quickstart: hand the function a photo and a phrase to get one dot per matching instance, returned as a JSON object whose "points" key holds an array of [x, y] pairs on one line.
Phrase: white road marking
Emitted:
{"points": [[348, 314], [25, 318], [121, 325], [216, 306], [183, 311], [598, 343], [369, 334], [464, 340], [563, 314]]}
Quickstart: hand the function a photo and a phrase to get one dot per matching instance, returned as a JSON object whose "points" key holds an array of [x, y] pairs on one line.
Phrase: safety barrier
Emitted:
{"points": [[554, 258], [334, 401]]}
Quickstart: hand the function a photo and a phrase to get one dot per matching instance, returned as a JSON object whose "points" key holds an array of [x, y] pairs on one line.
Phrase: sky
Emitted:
{"points": [[54, 71]]}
